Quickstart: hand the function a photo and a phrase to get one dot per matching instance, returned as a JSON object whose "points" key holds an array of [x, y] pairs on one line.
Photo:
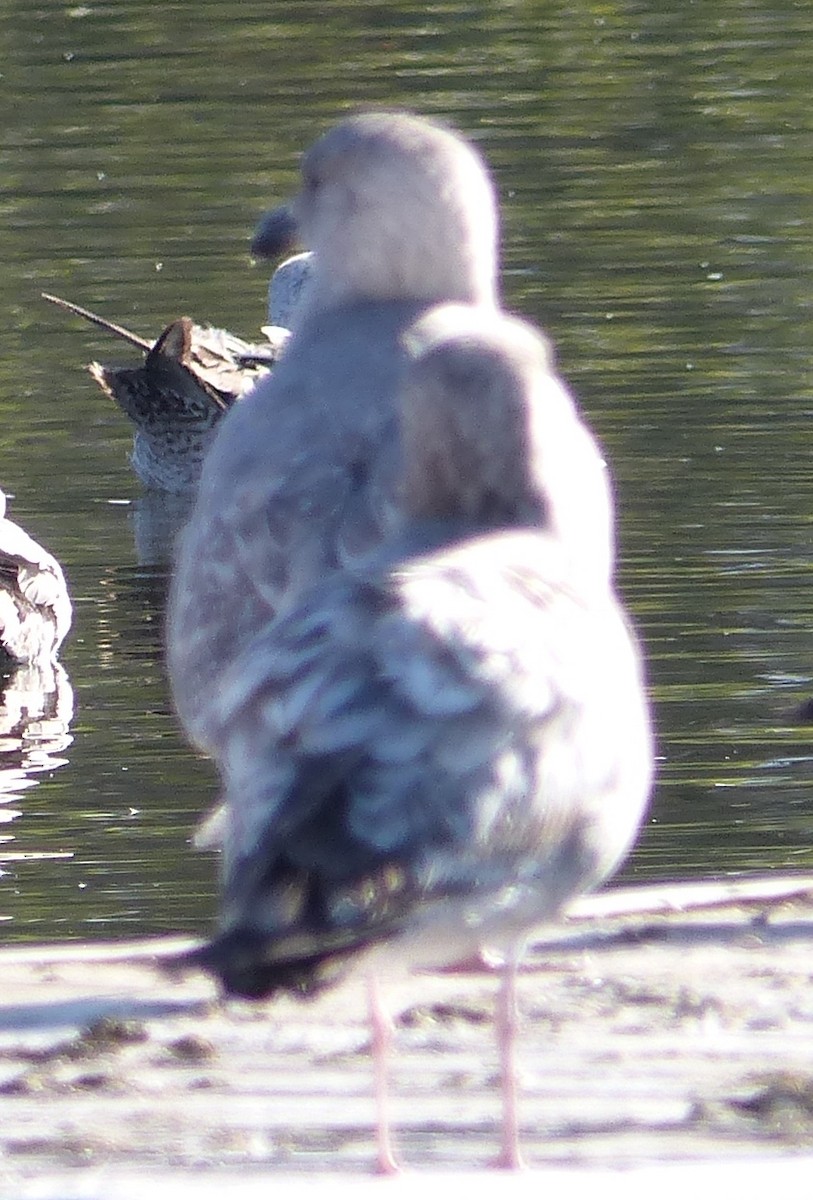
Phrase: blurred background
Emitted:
{"points": [[653, 167]]}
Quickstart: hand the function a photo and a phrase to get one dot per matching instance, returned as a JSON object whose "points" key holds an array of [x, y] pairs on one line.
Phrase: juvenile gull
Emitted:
{"points": [[436, 750], [35, 609], [401, 215]]}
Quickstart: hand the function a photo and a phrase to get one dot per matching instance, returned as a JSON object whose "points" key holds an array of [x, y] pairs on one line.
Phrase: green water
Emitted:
{"points": [[653, 169]]}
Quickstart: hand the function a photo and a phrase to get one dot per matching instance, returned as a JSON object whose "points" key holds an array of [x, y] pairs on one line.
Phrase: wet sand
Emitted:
{"points": [[660, 1025]]}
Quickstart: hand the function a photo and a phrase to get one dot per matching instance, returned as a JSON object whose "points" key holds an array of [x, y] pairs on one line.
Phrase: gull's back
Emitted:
{"points": [[439, 748]]}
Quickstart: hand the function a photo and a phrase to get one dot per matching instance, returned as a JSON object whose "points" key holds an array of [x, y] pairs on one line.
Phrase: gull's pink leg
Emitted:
{"points": [[381, 1031], [510, 1156]]}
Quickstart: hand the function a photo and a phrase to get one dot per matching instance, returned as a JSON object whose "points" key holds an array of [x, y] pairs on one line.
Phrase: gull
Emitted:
{"points": [[434, 750], [400, 215]]}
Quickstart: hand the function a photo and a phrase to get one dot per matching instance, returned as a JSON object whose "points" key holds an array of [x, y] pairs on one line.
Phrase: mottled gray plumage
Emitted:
{"points": [[300, 475], [436, 750], [35, 609]]}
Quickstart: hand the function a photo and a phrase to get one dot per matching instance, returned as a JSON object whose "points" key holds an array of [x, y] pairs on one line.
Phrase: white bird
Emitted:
{"points": [[435, 751], [401, 215], [35, 609]]}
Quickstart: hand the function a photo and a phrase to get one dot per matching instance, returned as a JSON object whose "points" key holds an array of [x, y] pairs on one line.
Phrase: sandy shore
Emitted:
{"points": [[659, 1026]]}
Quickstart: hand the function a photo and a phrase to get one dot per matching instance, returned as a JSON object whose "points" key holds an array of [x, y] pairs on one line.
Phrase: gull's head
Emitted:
{"points": [[467, 421], [491, 436], [394, 207]]}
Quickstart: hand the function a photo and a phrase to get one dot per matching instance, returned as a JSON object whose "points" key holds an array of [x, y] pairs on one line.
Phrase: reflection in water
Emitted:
{"points": [[158, 518], [36, 709], [36, 698]]}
